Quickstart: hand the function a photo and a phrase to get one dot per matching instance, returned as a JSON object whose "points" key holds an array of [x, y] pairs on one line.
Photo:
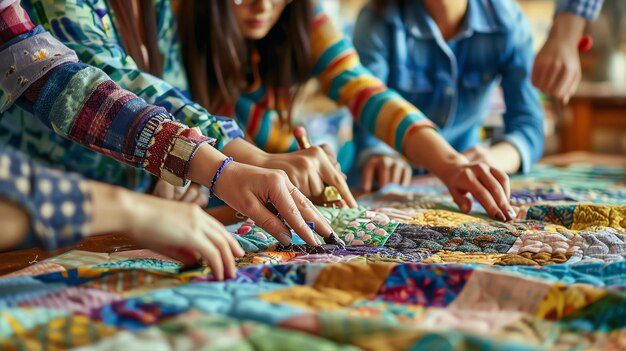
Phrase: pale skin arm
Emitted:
{"points": [[557, 67], [502, 155], [307, 169], [248, 189], [179, 230]]}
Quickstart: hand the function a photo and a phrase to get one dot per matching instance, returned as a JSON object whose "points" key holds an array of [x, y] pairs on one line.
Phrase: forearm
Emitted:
{"points": [[567, 27], [245, 152], [426, 148], [504, 156]]}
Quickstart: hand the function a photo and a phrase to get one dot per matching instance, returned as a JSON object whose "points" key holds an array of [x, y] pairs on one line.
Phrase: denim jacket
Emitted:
{"points": [[453, 82]]}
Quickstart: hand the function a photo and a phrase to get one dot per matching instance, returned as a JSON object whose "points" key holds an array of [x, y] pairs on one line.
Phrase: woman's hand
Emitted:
{"points": [[310, 169], [176, 229], [386, 170], [489, 185], [248, 189], [191, 194], [307, 169]]}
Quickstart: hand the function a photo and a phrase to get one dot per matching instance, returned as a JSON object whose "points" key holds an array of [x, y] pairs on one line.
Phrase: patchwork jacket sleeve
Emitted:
{"points": [[376, 108], [88, 29], [58, 204], [82, 103]]}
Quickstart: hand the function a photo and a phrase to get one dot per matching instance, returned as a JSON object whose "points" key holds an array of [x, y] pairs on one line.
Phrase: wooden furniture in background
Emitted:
{"points": [[595, 105]]}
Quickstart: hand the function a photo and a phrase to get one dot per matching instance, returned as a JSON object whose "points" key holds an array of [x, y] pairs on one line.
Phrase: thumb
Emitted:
{"points": [[462, 199]]}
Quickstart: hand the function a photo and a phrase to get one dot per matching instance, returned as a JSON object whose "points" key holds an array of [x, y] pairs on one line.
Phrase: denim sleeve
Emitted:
{"points": [[371, 41], [587, 9], [523, 118], [58, 204]]}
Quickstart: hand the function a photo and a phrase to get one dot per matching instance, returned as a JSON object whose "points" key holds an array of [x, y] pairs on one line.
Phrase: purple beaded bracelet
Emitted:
{"points": [[217, 175]]}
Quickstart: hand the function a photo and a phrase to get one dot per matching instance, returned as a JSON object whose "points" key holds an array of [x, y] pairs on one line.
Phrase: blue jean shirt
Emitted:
{"points": [[453, 82]]}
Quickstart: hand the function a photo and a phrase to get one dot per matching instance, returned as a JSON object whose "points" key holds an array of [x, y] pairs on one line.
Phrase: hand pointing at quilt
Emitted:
{"points": [[176, 229], [489, 185], [248, 189]]}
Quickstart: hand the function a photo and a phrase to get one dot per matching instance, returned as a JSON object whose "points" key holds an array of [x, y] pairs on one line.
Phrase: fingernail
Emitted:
{"points": [[511, 213], [317, 240], [284, 238]]}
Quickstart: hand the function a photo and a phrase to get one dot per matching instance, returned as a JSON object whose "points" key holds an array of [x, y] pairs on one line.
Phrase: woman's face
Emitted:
{"points": [[256, 18]]}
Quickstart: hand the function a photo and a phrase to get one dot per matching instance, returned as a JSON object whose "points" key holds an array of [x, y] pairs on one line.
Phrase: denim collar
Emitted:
{"points": [[480, 17]]}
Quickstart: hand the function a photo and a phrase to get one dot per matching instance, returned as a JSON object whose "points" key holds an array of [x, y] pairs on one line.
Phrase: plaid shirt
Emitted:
{"points": [[588, 9]]}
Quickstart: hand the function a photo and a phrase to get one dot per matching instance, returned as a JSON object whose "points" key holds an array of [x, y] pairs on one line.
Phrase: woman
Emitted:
{"points": [[446, 57], [51, 209], [138, 49], [259, 53], [81, 103]]}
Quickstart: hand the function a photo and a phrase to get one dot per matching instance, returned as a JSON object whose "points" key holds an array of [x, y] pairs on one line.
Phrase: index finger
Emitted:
{"points": [[287, 208], [495, 194]]}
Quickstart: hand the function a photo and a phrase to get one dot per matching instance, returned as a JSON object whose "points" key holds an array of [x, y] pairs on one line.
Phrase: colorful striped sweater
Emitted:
{"points": [[374, 107], [81, 103], [89, 29]]}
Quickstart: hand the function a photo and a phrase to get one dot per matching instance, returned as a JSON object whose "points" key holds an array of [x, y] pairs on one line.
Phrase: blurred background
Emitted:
{"points": [[594, 120]]}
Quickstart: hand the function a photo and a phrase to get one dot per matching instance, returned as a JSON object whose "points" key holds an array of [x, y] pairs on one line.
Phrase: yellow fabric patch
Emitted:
{"points": [[442, 218], [589, 216], [365, 279], [563, 300], [336, 286], [445, 256], [324, 299]]}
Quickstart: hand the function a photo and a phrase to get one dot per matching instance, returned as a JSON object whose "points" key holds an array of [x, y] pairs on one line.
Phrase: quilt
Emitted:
{"points": [[415, 274]]}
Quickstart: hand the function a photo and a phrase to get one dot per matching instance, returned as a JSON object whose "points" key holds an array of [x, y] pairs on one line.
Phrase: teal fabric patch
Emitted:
{"points": [[149, 264]]}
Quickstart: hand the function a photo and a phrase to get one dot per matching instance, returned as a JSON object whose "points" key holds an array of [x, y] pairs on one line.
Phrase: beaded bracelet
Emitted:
{"points": [[217, 175]]}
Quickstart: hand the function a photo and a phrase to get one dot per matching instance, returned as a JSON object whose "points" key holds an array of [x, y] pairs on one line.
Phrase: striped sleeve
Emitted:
{"points": [[376, 108]]}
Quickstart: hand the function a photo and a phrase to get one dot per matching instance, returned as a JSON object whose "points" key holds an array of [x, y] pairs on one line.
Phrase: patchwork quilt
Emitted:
{"points": [[415, 275]]}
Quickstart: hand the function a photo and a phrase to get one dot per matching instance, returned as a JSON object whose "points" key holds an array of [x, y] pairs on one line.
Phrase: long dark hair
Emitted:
{"points": [[217, 55]]}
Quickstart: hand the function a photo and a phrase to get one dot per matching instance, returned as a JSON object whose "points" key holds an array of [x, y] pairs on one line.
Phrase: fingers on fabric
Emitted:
{"points": [[288, 209], [367, 176], [311, 214], [462, 199], [496, 197], [269, 222]]}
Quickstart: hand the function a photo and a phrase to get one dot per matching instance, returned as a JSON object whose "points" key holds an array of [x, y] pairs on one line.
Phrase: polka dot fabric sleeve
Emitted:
{"points": [[58, 203]]}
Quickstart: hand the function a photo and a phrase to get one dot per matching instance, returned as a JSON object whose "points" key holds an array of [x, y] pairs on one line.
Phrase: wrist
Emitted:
{"points": [[567, 28], [221, 186], [245, 152], [205, 164], [113, 209]]}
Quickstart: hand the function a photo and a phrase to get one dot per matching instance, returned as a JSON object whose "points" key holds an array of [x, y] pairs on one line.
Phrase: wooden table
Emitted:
{"points": [[14, 260], [595, 105]]}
